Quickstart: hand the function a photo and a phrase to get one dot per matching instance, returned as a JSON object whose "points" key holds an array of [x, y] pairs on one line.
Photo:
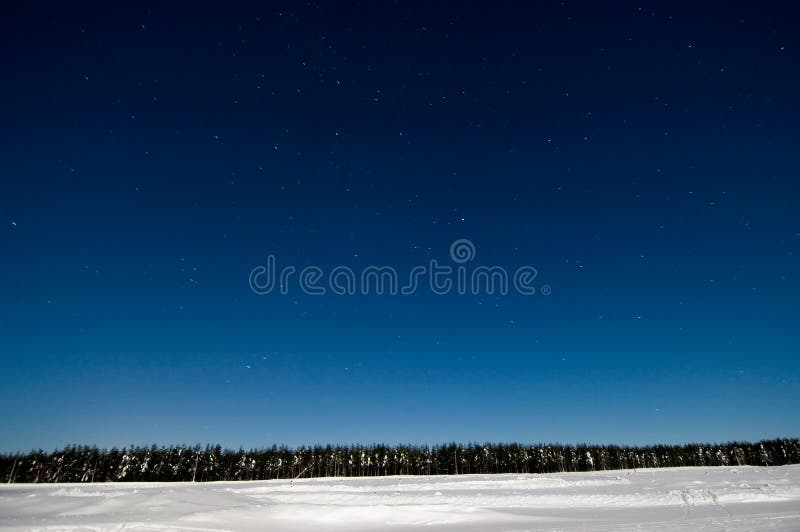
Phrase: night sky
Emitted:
{"points": [[642, 157]]}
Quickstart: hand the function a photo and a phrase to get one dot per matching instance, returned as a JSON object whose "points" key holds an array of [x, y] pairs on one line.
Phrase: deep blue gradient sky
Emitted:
{"points": [[642, 157]]}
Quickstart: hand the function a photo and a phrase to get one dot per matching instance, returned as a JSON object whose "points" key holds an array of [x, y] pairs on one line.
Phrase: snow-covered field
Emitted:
{"points": [[714, 498]]}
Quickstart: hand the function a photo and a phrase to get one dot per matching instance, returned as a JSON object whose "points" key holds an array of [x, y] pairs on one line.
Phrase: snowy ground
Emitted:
{"points": [[740, 498]]}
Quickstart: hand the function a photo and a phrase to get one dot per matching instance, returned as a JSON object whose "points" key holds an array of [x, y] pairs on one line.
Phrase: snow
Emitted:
{"points": [[707, 498]]}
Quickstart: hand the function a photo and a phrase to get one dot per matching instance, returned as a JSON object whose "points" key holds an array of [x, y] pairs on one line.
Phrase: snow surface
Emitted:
{"points": [[708, 498]]}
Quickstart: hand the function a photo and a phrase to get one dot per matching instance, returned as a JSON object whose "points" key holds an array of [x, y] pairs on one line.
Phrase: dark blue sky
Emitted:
{"points": [[642, 157]]}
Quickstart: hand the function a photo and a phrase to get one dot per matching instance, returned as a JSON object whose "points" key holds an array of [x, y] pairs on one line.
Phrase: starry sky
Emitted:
{"points": [[642, 157]]}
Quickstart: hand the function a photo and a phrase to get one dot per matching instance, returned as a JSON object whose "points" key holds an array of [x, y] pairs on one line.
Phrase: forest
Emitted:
{"points": [[213, 463]]}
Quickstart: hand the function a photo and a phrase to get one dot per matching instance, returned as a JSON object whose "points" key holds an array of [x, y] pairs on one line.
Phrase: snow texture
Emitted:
{"points": [[702, 498]]}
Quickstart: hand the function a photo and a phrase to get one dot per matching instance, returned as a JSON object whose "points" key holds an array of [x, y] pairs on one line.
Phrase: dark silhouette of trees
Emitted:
{"points": [[181, 463]]}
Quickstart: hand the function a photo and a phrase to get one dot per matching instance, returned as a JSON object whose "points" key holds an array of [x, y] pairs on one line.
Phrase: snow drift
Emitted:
{"points": [[705, 498]]}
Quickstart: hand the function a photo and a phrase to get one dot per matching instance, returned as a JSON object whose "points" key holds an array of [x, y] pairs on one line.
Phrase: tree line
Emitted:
{"points": [[211, 463]]}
